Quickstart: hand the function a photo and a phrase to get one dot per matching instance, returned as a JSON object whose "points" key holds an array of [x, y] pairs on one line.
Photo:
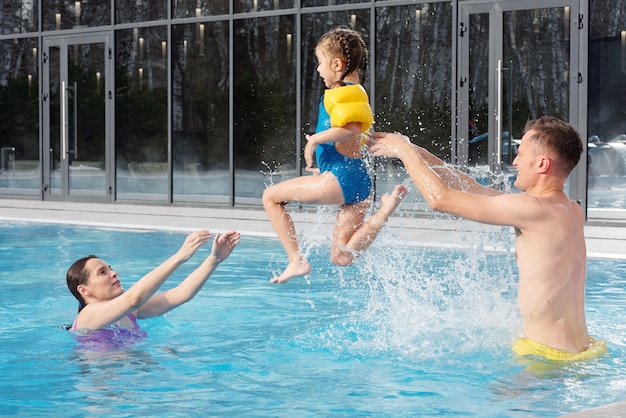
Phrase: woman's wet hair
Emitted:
{"points": [[347, 45], [76, 275]]}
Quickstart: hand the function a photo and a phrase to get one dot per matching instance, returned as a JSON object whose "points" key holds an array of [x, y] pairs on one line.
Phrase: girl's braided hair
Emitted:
{"points": [[347, 45]]}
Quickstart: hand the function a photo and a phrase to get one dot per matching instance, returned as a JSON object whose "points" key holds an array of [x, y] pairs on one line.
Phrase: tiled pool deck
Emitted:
{"points": [[603, 241]]}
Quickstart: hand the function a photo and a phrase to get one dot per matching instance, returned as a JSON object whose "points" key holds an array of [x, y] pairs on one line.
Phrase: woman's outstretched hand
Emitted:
{"points": [[193, 241], [224, 244]]}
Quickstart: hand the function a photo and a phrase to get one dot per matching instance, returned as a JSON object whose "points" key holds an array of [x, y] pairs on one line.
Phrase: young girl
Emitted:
{"points": [[342, 178]]}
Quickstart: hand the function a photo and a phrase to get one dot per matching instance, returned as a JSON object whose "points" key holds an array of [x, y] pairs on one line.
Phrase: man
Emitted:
{"points": [[550, 244]]}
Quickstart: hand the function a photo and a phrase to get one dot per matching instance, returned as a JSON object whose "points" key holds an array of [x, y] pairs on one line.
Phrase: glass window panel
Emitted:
{"points": [[607, 105], [413, 80], [19, 16], [141, 116], [133, 11], [478, 120], [247, 6], [317, 3], [63, 14], [86, 118], [197, 8], [200, 117], [19, 124], [265, 104], [550, 96]]}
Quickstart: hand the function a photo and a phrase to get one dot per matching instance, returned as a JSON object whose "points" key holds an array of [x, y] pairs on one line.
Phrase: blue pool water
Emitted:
{"points": [[407, 331]]}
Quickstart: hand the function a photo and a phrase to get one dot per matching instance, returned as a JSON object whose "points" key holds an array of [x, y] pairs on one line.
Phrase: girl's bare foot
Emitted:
{"points": [[297, 268]]}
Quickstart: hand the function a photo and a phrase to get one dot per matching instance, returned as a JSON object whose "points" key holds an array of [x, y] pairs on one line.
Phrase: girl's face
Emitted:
{"points": [[330, 69]]}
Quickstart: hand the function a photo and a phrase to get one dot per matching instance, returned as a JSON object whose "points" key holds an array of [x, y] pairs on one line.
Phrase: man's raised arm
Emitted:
{"points": [[388, 145]]}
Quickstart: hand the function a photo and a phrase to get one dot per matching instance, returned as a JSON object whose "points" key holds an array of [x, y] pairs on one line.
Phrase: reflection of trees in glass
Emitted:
{"points": [[606, 18], [141, 95], [85, 61], [478, 79], [315, 3], [246, 6], [413, 73], [607, 69], [19, 16], [200, 94], [264, 108], [64, 14], [19, 97], [539, 64], [129, 11], [535, 69], [197, 8]]}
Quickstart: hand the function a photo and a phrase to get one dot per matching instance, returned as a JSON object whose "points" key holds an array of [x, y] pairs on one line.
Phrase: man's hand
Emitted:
{"points": [[383, 144]]}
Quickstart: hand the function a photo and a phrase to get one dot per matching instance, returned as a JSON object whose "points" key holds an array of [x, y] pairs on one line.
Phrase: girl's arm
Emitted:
{"points": [[336, 134]]}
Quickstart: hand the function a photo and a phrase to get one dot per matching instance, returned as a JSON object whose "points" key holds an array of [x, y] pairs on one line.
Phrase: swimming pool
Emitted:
{"points": [[407, 331]]}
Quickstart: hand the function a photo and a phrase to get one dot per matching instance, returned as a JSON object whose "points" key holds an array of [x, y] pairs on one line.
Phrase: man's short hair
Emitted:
{"points": [[559, 137]]}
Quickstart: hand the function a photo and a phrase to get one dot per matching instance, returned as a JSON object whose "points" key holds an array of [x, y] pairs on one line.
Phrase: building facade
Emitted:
{"points": [[206, 102]]}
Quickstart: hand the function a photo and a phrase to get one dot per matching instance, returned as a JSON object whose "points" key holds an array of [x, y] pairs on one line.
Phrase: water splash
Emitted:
{"points": [[427, 302], [423, 301]]}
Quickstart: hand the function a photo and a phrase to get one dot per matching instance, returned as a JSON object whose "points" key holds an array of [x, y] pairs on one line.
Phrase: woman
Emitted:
{"points": [[105, 307]]}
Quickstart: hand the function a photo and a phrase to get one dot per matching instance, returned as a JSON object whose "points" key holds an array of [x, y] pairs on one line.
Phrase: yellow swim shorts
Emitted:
{"points": [[526, 347]]}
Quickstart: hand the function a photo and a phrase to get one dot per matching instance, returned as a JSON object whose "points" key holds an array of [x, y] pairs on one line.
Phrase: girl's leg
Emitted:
{"points": [[352, 235], [321, 189]]}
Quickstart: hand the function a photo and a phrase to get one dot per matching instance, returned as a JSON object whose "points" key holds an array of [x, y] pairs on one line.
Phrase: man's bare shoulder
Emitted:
{"points": [[550, 218]]}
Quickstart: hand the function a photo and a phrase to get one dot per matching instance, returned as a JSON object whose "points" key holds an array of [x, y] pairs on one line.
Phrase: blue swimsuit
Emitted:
{"points": [[351, 173]]}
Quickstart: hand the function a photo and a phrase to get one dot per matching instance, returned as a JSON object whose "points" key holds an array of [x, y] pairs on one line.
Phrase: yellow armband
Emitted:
{"points": [[348, 104]]}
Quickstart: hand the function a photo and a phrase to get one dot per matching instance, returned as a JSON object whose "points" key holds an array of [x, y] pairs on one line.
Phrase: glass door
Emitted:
{"points": [[76, 102], [517, 61]]}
